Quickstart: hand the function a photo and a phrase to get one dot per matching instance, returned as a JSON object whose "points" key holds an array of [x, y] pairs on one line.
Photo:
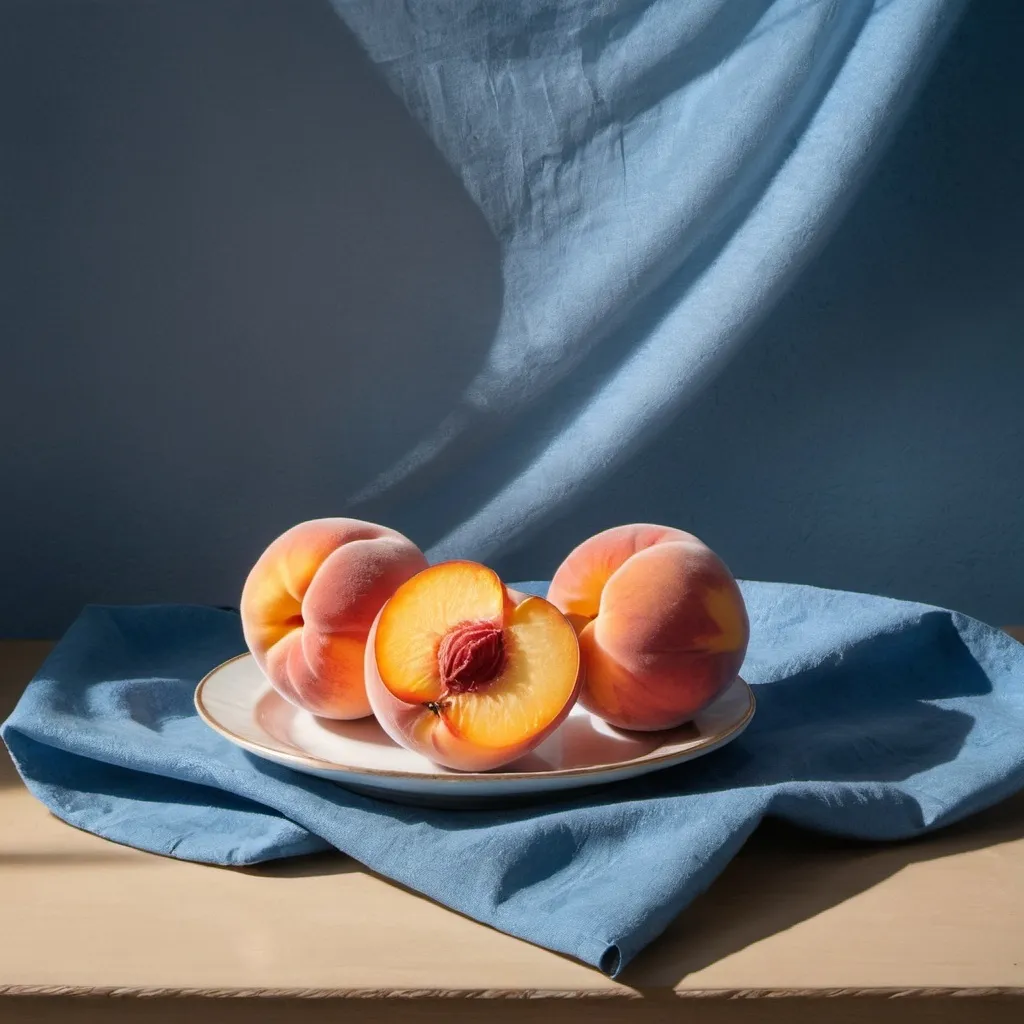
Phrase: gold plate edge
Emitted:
{"points": [[493, 777]]}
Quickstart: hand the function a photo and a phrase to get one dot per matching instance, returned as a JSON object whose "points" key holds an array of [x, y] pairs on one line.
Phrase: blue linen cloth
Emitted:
{"points": [[876, 718], [655, 172]]}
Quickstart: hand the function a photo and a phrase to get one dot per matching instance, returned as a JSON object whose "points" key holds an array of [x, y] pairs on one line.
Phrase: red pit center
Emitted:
{"points": [[470, 655]]}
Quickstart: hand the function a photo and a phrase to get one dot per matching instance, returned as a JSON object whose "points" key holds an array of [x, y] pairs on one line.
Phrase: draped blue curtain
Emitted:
{"points": [[655, 172]]}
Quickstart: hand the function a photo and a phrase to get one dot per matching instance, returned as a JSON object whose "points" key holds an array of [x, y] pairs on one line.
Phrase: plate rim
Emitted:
{"points": [[496, 777]]}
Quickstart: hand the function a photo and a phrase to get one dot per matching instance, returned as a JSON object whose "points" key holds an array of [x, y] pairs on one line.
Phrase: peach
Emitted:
{"points": [[467, 672], [661, 622], [309, 602]]}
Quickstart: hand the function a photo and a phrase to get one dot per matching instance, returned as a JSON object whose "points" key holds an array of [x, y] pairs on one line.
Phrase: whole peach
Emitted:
{"points": [[661, 623], [308, 604]]}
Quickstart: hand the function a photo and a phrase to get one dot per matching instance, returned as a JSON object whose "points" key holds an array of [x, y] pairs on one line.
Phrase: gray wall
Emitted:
{"points": [[228, 258], [219, 233]]}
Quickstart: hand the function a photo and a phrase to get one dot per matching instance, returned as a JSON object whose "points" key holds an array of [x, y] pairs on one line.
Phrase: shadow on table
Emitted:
{"points": [[9, 777], [312, 865], [785, 876], [21, 662], [61, 858]]}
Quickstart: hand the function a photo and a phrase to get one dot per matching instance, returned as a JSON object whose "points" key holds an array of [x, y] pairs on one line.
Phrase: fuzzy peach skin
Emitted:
{"points": [[661, 622], [308, 604], [523, 693]]}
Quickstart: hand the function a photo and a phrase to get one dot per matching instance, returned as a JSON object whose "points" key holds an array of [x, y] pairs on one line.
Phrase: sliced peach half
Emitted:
{"points": [[467, 672]]}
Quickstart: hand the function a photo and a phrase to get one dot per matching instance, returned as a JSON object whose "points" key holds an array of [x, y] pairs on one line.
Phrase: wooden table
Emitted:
{"points": [[798, 928]]}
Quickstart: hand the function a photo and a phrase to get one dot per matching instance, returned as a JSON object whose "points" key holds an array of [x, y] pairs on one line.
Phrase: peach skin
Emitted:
{"points": [[661, 623], [308, 604], [469, 673]]}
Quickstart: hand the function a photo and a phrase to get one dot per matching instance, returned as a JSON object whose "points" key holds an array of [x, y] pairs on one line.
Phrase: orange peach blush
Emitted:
{"points": [[468, 673], [662, 625], [308, 604]]}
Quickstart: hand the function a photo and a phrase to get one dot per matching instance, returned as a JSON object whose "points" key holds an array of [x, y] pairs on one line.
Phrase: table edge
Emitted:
{"points": [[469, 995]]}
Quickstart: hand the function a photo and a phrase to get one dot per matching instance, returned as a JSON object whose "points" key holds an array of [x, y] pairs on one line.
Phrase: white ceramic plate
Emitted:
{"points": [[237, 701]]}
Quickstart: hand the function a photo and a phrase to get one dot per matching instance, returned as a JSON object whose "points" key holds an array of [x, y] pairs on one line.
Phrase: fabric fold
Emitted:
{"points": [[656, 173]]}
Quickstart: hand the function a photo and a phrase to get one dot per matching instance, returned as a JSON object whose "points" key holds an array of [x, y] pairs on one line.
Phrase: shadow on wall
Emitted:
{"points": [[871, 436], [218, 227]]}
